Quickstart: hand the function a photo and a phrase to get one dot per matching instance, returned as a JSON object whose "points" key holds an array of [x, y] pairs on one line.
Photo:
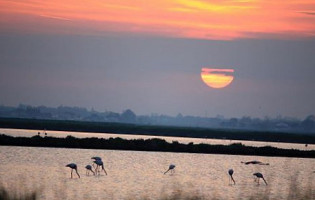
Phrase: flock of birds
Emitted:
{"points": [[257, 175], [100, 167], [97, 169]]}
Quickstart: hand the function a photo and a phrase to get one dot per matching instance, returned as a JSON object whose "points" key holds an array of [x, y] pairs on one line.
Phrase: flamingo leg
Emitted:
{"points": [[232, 179], [265, 181], [77, 173], [104, 169], [96, 170], [166, 171], [71, 172], [93, 172]]}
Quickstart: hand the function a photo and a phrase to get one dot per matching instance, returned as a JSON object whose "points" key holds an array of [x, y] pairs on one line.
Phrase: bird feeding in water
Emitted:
{"points": [[171, 168], [88, 169], [95, 158], [231, 177], [99, 163], [73, 166], [259, 176]]}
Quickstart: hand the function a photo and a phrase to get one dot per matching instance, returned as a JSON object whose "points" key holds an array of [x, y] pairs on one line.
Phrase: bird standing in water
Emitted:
{"points": [[99, 163], [171, 167], [231, 177], [258, 176], [73, 166], [95, 158], [88, 169]]}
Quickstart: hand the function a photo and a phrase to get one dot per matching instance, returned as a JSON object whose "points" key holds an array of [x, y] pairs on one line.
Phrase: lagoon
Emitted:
{"points": [[139, 175]]}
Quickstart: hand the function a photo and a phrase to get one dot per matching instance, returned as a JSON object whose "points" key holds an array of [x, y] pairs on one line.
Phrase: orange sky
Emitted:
{"points": [[201, 19]]}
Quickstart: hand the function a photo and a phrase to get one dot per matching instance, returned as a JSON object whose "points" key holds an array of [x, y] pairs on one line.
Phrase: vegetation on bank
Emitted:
{"points": [[294, 193], [150, 145], [120, 128], [6, 195]]}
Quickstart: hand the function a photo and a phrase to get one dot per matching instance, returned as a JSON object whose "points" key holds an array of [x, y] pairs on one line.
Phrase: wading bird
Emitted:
{"points": [[258, 176], [88, 169], [171, 167], [99, 163], [73, 166], [255, 162], [95, 158], [231, 177]]}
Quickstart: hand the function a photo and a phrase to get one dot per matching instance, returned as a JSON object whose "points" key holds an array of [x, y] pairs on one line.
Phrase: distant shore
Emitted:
{"points": [[120, 128], [158, 145]]}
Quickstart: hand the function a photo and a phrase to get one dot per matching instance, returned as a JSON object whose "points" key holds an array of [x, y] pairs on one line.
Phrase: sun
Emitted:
{"points": [[217, 78]]}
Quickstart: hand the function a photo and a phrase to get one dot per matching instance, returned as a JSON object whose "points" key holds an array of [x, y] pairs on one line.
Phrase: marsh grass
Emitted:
{"points": [[17, 195], [295, 193]]}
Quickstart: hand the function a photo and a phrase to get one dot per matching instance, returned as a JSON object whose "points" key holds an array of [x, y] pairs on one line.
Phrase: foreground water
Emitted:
{"points": [[139, 175], [30, 133]]}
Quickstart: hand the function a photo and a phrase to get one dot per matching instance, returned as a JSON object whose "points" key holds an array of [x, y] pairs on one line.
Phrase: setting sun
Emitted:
{"points": [[217, 78]]}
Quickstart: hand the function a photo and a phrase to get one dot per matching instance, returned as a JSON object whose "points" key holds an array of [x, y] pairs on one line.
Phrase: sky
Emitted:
{"points": [[148, 56]]}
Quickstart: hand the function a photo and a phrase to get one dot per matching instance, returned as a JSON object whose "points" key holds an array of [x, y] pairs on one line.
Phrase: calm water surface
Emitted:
{"points": [[139, 175], [30, 133]]}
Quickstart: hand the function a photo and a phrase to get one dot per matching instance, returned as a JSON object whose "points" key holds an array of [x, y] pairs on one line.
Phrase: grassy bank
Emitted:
{"points": [[120, 128], [295, 193], [151, 145]]}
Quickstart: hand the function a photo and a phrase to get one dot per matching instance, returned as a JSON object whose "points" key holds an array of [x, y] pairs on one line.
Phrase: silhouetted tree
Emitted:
{"points": [[128, 116], [309, 123]]}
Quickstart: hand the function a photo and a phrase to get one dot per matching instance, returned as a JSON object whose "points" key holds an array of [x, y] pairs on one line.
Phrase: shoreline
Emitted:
{"points": [[165, 131], [153, 145]]}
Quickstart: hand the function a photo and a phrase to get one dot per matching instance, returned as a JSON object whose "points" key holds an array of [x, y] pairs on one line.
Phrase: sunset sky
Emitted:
{"points": [[148, 55]]}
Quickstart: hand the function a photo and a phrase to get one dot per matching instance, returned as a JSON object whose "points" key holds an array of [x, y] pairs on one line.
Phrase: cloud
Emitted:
{"points": [[199, 19], [308, 12]]}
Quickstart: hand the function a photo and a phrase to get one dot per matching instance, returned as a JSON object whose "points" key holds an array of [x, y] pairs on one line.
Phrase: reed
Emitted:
{"points": [[18, 195], [295, 193]]}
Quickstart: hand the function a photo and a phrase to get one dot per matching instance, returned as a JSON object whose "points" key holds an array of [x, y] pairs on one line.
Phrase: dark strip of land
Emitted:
{"points": [[120, 128], [150, 145]]}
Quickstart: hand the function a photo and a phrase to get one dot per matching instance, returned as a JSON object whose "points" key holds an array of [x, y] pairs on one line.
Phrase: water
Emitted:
{"points": [[139, 175], [30, 133]]}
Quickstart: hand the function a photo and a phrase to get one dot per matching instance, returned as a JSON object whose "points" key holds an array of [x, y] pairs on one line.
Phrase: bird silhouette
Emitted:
{"points": [[88, 169], [171, 167], [258, 176], [99, 163], [231, 177], [73, 166], [95, 158], [254, 162]]}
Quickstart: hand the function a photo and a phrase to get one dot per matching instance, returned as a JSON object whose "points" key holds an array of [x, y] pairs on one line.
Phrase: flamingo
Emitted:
{"points": [[73, 166], [231, 173], [95, 158], [254, 162], [258, 176], [89, 168], [171, 167], [98, 164]]}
